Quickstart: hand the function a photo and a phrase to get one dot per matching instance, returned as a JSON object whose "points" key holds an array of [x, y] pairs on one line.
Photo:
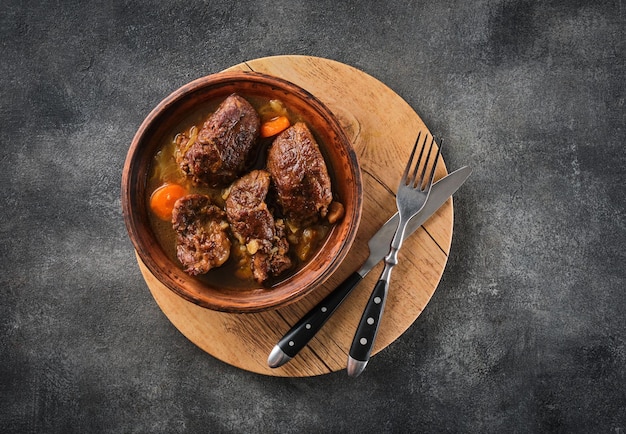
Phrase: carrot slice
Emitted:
{"points": [[163, 199], [274, 126]]}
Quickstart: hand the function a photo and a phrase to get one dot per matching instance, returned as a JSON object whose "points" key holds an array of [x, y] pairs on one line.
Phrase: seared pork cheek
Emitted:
{"points": [[218, 153], [299, 174], [254, 226], [202, 241]]}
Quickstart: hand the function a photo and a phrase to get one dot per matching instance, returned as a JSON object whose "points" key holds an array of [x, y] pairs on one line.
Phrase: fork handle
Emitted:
{"points": [[367, 330]]}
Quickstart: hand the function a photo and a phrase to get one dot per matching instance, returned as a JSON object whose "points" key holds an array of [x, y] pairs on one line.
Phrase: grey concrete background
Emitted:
{"points": [[526, 332]]}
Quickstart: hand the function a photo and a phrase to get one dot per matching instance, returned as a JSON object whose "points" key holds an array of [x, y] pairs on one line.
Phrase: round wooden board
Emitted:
{"points": [[382, 128]]}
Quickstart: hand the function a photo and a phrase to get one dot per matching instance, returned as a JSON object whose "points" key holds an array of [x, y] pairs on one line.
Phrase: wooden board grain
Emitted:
{"points": [[382, 128]]}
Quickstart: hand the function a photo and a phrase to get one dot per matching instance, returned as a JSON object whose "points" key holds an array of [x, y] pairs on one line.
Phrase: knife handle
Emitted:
{"points": [[367, 330], [301, 333]]}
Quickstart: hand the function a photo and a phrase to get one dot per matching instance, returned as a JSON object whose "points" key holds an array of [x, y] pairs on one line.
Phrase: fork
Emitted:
{"points": [[411, 197]]}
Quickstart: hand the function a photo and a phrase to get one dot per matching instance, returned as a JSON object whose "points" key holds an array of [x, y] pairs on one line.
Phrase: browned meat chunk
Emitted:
{"points": [[202, 241], [219, 152], [254, 226], [300, 175], [246, 208]]}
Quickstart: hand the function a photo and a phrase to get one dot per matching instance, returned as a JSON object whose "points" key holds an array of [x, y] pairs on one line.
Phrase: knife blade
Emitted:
{"points": [[304, 330]]}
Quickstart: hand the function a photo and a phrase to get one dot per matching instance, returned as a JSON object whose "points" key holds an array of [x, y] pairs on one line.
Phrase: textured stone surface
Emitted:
{"points": [[527, 330]]}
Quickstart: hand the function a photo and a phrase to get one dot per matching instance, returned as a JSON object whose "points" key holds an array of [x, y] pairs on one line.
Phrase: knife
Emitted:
{"points": [[304, 330]]}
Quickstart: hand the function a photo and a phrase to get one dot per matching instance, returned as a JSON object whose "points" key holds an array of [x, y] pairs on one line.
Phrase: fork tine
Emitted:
{"points": [[410, 162], [417, 165], [420, 182], [432, 172]]}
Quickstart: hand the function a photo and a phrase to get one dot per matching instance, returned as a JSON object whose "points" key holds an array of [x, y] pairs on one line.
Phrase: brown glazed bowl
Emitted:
{"points": [[340, 159]]}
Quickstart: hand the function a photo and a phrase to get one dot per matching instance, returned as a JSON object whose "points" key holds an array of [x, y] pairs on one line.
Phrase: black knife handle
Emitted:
{"points": [[367, 330], [301, 333]]}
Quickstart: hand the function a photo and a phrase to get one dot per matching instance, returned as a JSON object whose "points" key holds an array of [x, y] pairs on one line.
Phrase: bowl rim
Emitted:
{"points": [[172, 278]]}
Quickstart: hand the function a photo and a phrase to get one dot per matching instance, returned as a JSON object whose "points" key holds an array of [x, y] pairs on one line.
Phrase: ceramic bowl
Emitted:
{"points": [[340, 159]]}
